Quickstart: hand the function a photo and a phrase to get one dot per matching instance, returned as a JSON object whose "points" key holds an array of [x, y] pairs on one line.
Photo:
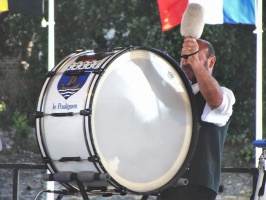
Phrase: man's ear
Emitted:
{"points": [[211, 62]]}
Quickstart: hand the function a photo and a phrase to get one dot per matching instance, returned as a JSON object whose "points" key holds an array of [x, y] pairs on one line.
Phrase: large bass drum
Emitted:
{"points": [[128, 112]]}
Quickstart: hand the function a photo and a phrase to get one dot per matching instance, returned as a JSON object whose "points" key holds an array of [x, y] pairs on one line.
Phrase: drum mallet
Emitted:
{"points": [[192, 23]]}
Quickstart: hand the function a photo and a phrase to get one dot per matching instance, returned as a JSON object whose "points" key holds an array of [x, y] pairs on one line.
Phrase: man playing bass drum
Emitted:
{"points": [[215, 107]]}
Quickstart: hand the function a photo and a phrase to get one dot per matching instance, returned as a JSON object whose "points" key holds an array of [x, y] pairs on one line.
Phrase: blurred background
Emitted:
{"points": [[91, 24]]}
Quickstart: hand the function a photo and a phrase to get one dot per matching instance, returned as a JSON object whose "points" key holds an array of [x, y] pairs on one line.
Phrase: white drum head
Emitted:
{"points": [[141, 120]]}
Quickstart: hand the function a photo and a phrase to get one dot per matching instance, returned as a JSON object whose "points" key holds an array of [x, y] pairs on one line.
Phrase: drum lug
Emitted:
{"points": [[94, 158], [74, 73], [50, 73], [38, 114], [65, 159], [62, 114], [85, 112], [181, 182], [97, 71], [46, 160]]}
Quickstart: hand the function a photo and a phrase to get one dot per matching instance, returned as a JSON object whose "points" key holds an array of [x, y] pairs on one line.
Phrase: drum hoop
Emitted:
{"points": [[104, 66], [195, 126], [89, 143], [190, 94]]}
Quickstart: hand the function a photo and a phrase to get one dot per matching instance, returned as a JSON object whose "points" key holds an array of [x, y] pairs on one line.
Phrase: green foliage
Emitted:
{"points": [[2, 107], [101, 24], [23, 130], [21, 125], [4, 120]]}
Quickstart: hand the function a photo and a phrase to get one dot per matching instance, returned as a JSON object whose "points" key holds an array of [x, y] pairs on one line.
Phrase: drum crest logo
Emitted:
{"points": [[76, 75], [68, 85]]}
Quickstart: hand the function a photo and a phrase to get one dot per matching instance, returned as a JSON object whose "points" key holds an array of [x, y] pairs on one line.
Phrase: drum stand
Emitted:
{"points": [[67, 177], [260, 191], [70, 177]]}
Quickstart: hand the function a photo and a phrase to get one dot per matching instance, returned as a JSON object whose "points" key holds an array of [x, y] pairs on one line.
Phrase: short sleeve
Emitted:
{"points": [[220, 115]]}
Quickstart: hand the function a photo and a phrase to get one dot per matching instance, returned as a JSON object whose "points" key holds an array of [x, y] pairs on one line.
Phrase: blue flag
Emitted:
{"points": [[239, 11]]}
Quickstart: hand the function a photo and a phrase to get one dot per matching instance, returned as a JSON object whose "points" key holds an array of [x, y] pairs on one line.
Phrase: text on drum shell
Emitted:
{"points": [[64, 106]]}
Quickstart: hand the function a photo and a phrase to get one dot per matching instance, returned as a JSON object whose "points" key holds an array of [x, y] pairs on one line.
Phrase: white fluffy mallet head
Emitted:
{"points": [[192, 23]]}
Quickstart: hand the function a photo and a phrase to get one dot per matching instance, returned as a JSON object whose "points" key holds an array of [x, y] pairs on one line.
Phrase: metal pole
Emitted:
{"points": [[51, 50], [15, 183], [259, 78], [51, 36]]}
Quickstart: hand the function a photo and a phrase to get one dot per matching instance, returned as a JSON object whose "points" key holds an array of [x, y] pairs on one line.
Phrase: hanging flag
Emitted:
{"points": [[241, 11], [171, 12], [26, 7], [3, 5], [216, 11], [228, 11]]}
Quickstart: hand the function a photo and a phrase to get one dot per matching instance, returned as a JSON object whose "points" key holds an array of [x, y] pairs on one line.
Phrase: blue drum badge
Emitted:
{"points": [[70, 84]]}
